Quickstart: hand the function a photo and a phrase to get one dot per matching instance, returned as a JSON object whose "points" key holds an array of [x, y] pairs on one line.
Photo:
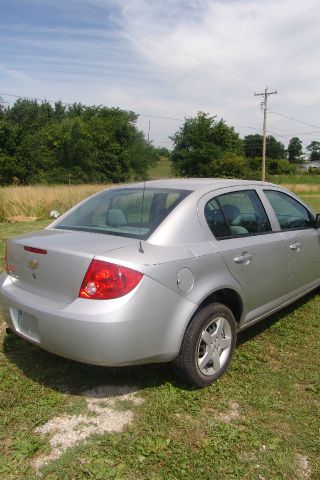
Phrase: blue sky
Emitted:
{"points": [[169, 59]]}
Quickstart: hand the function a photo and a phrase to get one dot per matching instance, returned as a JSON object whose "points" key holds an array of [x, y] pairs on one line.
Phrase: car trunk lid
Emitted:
{"points": [[52, 263]]}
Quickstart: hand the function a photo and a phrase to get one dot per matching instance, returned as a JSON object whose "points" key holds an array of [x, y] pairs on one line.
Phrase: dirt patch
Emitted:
{"points": [[102, 416], [21, 218], [228, 416], [232, 414], [303, 467]]}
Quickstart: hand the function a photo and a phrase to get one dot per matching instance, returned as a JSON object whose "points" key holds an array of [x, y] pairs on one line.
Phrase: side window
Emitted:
{"points": [[236, 214], [290, 213]]}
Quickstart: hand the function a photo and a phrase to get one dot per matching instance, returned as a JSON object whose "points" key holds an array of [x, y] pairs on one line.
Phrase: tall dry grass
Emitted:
{"points": [[18, 202], [302, 187], [39, 200]]}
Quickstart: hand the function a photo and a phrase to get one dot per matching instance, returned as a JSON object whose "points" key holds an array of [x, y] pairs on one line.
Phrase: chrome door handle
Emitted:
{"points": [[244, 258], [296, 247]]}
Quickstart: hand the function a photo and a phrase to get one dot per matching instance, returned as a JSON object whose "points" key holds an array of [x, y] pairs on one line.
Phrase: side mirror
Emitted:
{"points": [[317, 221]]}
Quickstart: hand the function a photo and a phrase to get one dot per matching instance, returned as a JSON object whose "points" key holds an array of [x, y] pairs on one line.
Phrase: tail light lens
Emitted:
{"points": [[105, 280]]}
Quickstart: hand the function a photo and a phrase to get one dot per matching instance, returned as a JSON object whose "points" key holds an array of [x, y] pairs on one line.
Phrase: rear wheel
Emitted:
{"points": [[207, 346]]}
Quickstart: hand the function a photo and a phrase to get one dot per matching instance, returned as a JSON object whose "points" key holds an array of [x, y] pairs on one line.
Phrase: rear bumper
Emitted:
{"points": [[144, 326]]}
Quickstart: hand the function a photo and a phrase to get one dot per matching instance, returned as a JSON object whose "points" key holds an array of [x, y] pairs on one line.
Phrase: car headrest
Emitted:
{"points": [[116, 217]]}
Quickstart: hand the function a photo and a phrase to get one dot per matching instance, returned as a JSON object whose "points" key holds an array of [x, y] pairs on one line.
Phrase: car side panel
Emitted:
{"points": [[201, 263]]}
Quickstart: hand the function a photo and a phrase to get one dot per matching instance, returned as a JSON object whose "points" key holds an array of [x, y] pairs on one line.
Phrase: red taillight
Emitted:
{"points": [[105, 280]]}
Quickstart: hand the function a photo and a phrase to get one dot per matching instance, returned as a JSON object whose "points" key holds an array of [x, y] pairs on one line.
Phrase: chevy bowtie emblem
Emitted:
{"points": [[33, 264]]}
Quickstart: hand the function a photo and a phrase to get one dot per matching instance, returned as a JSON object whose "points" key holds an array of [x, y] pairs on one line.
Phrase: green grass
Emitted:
{"points": [[177, 433], [297, 178], [161, 170], [312, 200]]}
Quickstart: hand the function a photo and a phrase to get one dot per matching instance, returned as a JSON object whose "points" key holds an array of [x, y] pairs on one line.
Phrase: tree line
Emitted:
{"points": [[205, 146], [44, 143], [41, 143]]}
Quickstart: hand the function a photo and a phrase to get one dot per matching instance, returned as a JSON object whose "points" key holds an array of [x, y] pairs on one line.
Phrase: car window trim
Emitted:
{"points": [[245, 235]]}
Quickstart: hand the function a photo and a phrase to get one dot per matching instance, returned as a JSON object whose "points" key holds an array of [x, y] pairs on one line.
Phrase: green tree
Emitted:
{"points": [[253, 147], [230, 165], [162, 152], [35, 157], [200, 142], [279, 166], [314, 149], [29, 115], [77, 143], [11, 170], [9, 137], [295, 150]]}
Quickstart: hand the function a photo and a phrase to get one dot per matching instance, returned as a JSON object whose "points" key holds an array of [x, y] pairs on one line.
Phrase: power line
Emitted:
{"points": [[70, 104], [295, 120], [304, 143], [315, 132], [268, 131], [216, 65], [160, 116], [143, 114], [278, 129], [34, 98], [163, 117], [37, 99]]}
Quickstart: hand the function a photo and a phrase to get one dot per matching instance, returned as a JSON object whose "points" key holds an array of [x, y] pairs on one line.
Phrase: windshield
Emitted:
{"points": [[129, 212]]}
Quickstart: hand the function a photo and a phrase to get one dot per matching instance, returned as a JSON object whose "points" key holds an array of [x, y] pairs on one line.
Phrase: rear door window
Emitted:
{"points": [[236, 214]]}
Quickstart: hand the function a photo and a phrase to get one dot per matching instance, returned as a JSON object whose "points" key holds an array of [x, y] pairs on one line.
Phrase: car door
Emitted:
{"points": [[238, 226], [296, 223]]}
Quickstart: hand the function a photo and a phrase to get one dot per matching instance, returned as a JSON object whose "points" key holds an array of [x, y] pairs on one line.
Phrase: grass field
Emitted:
{"points": [[260, 421], [36, 202], [161, 170], [39, 200]]}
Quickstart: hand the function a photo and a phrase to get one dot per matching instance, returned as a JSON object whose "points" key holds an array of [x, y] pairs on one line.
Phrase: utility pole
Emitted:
{"points": [[264, 144], [149, 126]]}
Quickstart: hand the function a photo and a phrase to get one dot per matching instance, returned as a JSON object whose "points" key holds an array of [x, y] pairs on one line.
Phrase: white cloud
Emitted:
{"points": [[175, 57]]}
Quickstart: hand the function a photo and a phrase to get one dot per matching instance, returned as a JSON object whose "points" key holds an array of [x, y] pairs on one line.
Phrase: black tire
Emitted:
{"points": [[207, 346]]}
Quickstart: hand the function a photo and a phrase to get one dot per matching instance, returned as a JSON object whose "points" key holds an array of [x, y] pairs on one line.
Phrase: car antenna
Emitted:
{"points": [[142, 206]]}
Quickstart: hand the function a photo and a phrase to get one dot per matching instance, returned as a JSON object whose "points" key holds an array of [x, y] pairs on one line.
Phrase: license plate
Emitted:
{"points": [[28, 325]]}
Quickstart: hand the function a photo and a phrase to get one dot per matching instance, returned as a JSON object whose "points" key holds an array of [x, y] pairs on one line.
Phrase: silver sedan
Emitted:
{"points": [[161, 271]]}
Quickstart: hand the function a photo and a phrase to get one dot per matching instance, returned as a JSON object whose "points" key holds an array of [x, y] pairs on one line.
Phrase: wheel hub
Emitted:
{"points": [[214, 346]]}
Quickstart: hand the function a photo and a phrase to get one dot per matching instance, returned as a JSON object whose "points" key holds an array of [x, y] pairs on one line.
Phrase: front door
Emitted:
{"points": [[255, 255], [302, 241]]}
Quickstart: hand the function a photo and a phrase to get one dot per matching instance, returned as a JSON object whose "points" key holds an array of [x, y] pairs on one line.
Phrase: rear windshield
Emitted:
{"points": [[128, 212]]}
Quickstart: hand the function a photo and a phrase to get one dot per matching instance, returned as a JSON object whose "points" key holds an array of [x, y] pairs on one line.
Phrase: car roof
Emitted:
{"points": [[194, 184]]}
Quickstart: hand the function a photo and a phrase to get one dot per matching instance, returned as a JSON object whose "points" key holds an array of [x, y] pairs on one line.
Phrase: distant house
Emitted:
{"points": [[308, 165]]}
